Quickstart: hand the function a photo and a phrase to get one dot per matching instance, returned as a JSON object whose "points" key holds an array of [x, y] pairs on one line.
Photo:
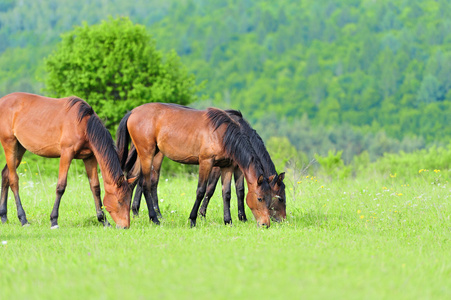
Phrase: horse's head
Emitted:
{"points": [[117, 201], [278, 205], [258, 199]]}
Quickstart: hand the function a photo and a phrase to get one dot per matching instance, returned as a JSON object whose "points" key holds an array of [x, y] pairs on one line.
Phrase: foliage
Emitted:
{"points": [[433, 160], [332, 165], [282, 151], [116, 67], [377, 70]]}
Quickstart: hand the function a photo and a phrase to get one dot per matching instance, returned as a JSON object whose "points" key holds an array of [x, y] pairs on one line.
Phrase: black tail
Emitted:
{"points": [[123, 140], [131, 159]]}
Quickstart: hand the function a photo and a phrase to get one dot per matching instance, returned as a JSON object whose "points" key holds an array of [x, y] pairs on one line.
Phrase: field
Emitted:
{"points": [[380, 237]]}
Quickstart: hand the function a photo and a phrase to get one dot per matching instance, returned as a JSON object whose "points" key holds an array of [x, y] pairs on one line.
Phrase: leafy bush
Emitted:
{"points": [[332, 165], [115, 67]]}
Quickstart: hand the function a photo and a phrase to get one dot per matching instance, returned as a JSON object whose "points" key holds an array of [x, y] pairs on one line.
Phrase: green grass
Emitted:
{"points": [[370, 238]]}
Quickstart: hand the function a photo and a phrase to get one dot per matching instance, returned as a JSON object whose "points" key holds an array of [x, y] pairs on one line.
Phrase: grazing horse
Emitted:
{"points": [[208, 138], [66, 128], [278, 204]]}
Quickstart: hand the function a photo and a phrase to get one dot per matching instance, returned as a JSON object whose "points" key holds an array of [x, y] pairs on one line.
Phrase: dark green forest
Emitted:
{"points": [[349, 75]]}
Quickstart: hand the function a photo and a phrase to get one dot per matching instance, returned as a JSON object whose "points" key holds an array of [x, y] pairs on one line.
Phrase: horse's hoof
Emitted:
{"points": [[193, 223], [26, 224], [228, 222], [156, 221], [242, 218], [55, 227], [4, 219]]}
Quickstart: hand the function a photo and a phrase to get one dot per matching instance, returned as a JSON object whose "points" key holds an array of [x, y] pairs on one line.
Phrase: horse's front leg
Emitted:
{"points": [[65, 160], [155, 178], [239, 187], [146, 169], [211, 187], [93, 177], [226, 179], [137, 198], [205, 167]]}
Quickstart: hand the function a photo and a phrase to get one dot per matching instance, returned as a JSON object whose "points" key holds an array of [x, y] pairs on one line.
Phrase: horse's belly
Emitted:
{"points": [[184, 159], [39, 147]]}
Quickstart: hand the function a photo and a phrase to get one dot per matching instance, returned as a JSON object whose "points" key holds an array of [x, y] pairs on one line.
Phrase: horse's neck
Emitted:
{"points": [[105, 168], [265, 158]]}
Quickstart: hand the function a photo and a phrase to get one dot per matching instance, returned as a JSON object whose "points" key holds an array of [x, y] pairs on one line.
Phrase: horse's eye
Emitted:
{"points": [[281, 199], [260, 199]]}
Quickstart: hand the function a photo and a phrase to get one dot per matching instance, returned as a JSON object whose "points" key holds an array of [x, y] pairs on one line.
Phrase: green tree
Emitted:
{"points": [[116, 67], [429, 91]]}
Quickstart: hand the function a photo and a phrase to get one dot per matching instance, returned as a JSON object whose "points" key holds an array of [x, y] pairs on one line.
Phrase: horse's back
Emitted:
{"points": [[183, 134], [165, 116], [37, 122]]}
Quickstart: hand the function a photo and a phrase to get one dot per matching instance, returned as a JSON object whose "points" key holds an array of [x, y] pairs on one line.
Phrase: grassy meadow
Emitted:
{"points": [[379, 237]]}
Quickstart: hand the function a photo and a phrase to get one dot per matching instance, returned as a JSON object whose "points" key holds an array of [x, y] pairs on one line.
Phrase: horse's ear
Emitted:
{"points": [[260, 180], [280, 178], [132, 179], [120, 181], [272, 178]]}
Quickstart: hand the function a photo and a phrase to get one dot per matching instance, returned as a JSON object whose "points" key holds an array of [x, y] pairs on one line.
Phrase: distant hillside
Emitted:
{"points": [[379, 70]]}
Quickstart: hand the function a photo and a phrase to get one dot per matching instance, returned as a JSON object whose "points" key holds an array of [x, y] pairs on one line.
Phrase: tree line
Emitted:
{"points": [[353, 75]]}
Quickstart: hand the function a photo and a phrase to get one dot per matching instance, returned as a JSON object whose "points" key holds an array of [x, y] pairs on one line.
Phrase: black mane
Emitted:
{"points": [[84, 109], [256, 142], [235, 142], [99, 137]]}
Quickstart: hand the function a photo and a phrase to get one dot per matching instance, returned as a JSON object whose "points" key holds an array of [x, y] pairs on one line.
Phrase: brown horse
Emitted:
{"points": [[67, 128], [278, 204], [205, 137]]}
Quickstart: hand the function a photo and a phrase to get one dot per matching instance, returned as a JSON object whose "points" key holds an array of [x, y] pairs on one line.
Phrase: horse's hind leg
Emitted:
{"points": [[65, 160], [91, 171], [4, 195], [239, 187], [226, 179], [212, 182], [13, 154]]}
